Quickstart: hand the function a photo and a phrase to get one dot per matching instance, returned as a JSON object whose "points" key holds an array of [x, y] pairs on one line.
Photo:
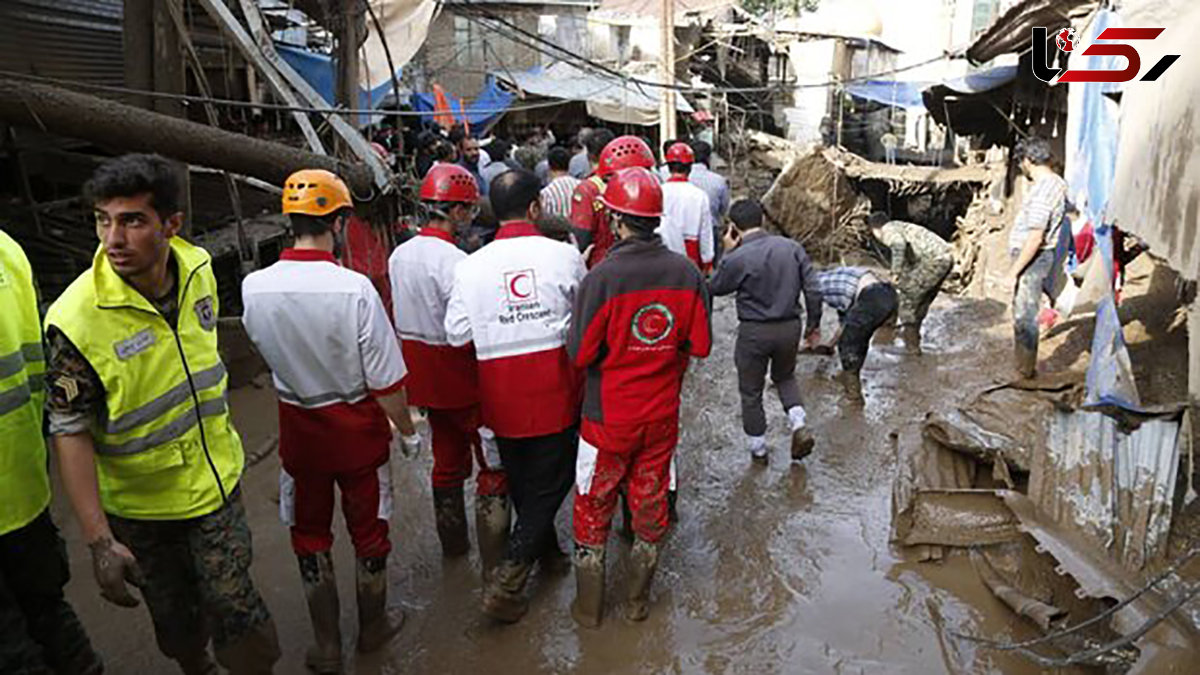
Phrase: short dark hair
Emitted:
{"points": [[643, 226], [498, 149], [702, 150], [679, 167], [458, 134], [305, 225], [554, 227], [597, 141], [137, 174], [667, 145], [512, 192], [746, 214], [1035, 149], [877, 219], [559, 158], [444, 151]]}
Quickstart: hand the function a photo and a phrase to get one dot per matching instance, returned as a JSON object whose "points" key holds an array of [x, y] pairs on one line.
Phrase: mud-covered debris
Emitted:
{"points": [[1037, 611], [815, 203], [959, 518]]}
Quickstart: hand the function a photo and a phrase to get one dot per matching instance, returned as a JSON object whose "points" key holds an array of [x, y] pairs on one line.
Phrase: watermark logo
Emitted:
{"points": [[1065, 38]]}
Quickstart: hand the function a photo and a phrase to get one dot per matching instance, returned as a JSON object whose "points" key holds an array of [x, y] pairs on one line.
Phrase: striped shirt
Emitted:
{"points": [[556, 196], [1042, 210], [839, 286]]}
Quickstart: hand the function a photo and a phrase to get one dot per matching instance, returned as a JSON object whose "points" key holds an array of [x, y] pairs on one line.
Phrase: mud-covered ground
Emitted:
{"points": [[782, 569]]}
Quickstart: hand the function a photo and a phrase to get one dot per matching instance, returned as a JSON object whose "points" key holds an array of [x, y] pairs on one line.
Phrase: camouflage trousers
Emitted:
{"points": [[918, 285], [39, 632], [198, 584]]}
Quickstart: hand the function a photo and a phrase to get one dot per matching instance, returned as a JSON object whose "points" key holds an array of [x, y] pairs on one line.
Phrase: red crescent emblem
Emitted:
{"points": [[512, 286]]}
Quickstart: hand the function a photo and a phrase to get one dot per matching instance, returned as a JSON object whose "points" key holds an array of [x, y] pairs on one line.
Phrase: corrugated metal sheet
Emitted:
{"points": [[1115, 487], [68, 39]]}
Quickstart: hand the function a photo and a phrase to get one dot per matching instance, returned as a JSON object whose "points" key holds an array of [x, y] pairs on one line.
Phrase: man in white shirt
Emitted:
{"points": [[339, 375], [442, 378], [513, 298], [687, 225]]}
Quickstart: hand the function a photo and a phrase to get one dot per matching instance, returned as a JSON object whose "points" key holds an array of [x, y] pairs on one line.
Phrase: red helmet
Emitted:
{"points": [[623, 152], [681, 153], [634, 191], [449, 183]]}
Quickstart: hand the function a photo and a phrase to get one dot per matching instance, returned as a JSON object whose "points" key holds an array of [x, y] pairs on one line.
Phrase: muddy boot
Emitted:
{"points": [[851, 382], [588, 608], [911, 335], [320, 589], [376, 625], [672, 512], [254, 654], [757, 445], [450, 512], [802, 443], [643, 560], [504, 596], [626, 531], [198, 664], [1026, 361], [492, 514]]}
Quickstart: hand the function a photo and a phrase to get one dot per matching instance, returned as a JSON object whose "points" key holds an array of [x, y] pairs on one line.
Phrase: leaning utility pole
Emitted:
{"points": [[666, 122], [350, 32]]}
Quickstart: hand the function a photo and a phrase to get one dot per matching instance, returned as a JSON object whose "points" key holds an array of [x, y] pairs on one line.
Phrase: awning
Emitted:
{"points": [[489, 105], [608, 97], [1012, 31], [910, 94]]}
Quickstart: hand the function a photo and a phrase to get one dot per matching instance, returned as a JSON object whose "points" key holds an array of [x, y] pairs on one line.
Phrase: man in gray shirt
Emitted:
{"points": [[768, 273]]}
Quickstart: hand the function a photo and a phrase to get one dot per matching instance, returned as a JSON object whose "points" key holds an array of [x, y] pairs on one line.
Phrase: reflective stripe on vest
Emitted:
{"points": [[24, 481], [166, 447]]}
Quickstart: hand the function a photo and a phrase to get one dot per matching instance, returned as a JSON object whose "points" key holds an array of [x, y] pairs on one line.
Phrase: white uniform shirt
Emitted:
{"points": [[687, 226]]}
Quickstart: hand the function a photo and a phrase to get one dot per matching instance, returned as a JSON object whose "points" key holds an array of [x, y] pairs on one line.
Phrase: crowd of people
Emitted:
{"points": [[549, 360]]}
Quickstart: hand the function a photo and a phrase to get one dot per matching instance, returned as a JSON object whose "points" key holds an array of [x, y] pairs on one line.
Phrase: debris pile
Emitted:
{"points": [[815, 203]]}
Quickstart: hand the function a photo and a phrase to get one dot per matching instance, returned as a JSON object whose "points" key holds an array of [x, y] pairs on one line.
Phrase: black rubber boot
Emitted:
{"points": [[450, 513], [851, 382], [588, 607], [493, 515], [320, 589], [198, 664], [376, 624], [672, 511], [643, 561], [504, 596]]}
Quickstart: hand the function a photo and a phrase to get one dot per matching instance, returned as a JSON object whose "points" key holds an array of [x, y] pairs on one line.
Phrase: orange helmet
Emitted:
{"points": [[315, 192]]}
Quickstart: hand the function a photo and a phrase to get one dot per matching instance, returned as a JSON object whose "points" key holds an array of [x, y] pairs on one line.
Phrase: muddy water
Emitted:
{"points": [[782, 569]]}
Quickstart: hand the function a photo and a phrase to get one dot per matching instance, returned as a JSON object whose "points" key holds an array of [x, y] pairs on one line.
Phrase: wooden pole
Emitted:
{"points": [[350, 34], [137, 42], [666, 123]]}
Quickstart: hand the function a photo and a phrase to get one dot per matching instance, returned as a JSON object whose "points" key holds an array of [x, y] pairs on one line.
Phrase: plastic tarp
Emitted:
{"points": [[1093, 129], [487, 107], [982, 80], [319, 71], [1110, 375], [404, 24], [890, 92], [608, 97]]}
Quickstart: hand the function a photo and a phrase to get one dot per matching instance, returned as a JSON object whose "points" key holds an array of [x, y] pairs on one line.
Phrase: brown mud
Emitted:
{"points": [[782, 569]]}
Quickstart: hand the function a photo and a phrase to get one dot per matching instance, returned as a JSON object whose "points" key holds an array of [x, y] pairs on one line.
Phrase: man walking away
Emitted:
{"points": [[687, 221], [146, 446], [338, 373], [39, 631], [863, 302], [513, 298], [444, 379], [1031, 244], [921, 261], [583, 162], [713, 183], [769, 273], [556, 196], [639, 317]]}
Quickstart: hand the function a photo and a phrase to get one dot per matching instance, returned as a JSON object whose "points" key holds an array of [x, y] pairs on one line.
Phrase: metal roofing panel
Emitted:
{"points": [[68, 39]]}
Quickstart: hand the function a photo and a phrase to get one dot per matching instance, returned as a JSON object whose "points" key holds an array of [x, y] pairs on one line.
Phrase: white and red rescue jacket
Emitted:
{"points": [[325, 334], [513, 298], [687, 224], [440, 376]]}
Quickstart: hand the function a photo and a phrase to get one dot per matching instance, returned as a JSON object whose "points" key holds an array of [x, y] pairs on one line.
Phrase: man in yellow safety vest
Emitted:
{"points": [[145, 442], [39, 632]]}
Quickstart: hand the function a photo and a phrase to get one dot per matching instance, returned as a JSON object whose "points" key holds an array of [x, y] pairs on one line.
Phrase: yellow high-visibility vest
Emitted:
{"points": [[24, 481], [166, 448]]}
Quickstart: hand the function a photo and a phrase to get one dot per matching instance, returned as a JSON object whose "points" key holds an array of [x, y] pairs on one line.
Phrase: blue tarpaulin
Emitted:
{"points": [[982, 80], [485, 109], [890, 92], [1110, 375], [318, 70]]}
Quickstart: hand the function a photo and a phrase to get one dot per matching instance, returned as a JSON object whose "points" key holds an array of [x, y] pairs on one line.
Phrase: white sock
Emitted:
{"points": [[797, 417], [756, 444]]}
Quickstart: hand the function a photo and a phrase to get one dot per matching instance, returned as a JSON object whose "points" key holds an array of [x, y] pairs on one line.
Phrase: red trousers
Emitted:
{"points": [[455, 442], [306, 504], [637, 457]]}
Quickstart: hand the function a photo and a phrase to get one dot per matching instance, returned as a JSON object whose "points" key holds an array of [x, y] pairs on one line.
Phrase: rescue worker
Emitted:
{"points": [[687, 221], [39, 631], [768, 273], [443, 379], [1031, 244], [921, 261], [147, 450], [587, 210], [864, 302], [339, 375], [513, 299], [639, 316]]}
